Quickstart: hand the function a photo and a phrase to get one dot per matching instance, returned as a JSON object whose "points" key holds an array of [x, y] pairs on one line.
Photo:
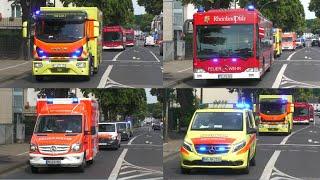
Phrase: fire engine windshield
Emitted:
{"points": [[59, 124], [107, 128], [273, 106], [301, 111], [112, 36], [287, 39], [62, 30], [218, 121], [224, 41]]}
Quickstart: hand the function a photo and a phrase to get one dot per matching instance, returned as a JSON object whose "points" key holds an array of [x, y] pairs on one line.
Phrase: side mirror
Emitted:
{"points": [[251, 131], [25, 29], [188, 26]]}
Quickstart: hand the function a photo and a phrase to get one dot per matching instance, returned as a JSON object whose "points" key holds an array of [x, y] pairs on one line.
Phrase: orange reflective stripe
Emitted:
{"points": [[184, 151]]}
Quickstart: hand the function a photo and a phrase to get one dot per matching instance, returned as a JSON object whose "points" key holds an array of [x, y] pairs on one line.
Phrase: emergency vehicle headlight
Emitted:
{"points": [[239, 146], [33, 148], [77, 53], [114, 137], [81, 64], [201, 9], [38, 64], [199, 71], [234, 59], [41, 53], [37, 12], [76, 147], [187, 146]]}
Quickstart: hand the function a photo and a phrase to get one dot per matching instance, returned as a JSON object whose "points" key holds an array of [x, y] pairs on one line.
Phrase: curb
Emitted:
{"points": [[175, 83], [13, 167]]}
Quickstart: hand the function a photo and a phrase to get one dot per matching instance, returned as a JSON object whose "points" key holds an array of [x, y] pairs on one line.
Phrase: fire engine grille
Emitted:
{"points": [[54, 149]]}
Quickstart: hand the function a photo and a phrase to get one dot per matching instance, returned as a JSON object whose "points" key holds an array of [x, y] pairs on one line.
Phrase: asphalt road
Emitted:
{"points": [[293, 69], [135, 67], [139, 158], [291, 157]]}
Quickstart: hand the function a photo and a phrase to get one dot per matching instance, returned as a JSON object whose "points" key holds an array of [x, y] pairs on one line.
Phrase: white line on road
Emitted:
{"points": [[105, 76], [277, 82], [266, 174], [116, 169], [22, 153], [10, 67], [135, 176], [130, 142], [184, 70], [154, 56], [289, 58], [298, 145]]}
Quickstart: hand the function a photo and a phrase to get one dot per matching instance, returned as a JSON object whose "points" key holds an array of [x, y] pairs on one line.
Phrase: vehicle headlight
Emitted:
{"points": [[114, 137], [33, 147], [187, 146], [199, 71], [76, 147], [239, 146], [37, 64]]}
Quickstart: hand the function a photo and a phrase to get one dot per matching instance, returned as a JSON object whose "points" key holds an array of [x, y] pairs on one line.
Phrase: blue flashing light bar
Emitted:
{"points": [[250, 7], [202, 148], [77, 53], [49, 101], [75, 100], [221, 149], [201, 9], [243, 106], [37, 12]]}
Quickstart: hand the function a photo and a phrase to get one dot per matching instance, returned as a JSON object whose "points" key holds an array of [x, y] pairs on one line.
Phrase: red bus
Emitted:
{"points": [[301, 112], [231, 44], [114, 37], [130, 37]]}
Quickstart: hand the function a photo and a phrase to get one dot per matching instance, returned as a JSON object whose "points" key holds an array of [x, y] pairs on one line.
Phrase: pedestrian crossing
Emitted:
{"points": [[129, 171]]}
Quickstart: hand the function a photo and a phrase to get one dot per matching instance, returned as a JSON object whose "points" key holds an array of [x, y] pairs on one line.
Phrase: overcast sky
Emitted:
{"points": [[150, 99], [138, 9], [309, 15]]}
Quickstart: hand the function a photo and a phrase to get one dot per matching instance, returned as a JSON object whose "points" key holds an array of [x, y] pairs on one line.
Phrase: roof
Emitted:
{"points": [[11, 23]]}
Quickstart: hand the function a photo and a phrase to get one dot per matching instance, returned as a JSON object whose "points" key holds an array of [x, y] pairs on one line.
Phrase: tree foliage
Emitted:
{"points": [[53, 92], [155, 110], [120, 102], [115, 12], [153, 7], [143, 22], [313, 25], [314, 6], [209, 4]]}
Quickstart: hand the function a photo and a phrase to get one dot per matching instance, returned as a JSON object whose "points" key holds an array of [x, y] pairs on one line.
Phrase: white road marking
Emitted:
{"points": [[22, 153], [135, 176], [298, 145], [103, 81], [116, 169], [266, 174], [289, 58], [154, 56], [277, 82], [10, 67], [184, 70], [127, 172]]}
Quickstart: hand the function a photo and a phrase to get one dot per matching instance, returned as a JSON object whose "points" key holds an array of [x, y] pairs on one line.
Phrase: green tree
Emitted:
{"points": [[153, 7], [314, 6], [123, 102], [54, 93], [286, 14], [115, 12], [143, 22], [209, 4], [155, 110], [313, 25]]}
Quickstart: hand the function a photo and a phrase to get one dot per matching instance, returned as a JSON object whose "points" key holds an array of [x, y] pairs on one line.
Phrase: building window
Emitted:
{"points": [[16, 10]]}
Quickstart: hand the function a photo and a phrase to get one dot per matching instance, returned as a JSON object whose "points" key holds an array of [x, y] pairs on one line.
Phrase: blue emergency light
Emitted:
{"points": [[251, 7], [49, 101], [201, 9], [37, 12], [243, 106], [202, 148]]}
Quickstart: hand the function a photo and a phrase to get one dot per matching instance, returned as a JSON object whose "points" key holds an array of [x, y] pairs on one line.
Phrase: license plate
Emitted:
{"points": [[53, 162], [211, 159], [59, 65], [225, 76]]}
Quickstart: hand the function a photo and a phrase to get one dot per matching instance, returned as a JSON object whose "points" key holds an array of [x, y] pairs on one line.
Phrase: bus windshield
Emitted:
{"points": [[301, 111], [224, 41], [112, 36]]}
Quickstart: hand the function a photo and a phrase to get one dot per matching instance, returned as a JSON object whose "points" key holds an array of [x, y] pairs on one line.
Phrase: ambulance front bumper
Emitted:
{"points": [[67, 160]]}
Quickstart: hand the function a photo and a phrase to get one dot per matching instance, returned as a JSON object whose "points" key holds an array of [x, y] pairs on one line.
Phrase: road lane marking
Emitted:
{"points": [[298, 145], [184, 70], [105, 76], [289, 58], [281, 175], [22, 153], [10, 67], [116, 169], [277, 82], [135, 176], [154, 56], [266, 174], [286, 80]]}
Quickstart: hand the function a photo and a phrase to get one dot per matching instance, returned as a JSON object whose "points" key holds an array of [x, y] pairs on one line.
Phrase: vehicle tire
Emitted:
{"points": [[253, 160], [34, 170], [185, 170], [39, 78], [83, 165], [246, 170], [91, 70], [96, 70], [90, 162]]}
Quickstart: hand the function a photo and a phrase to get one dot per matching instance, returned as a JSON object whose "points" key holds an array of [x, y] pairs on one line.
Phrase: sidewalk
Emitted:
{"points": [[10, 69], [176, 72], [13, 156], [174, 144]]}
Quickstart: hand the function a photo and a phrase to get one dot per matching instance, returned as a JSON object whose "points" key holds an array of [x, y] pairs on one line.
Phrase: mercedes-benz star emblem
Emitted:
{"points": [[53, 149], [212, 150]]}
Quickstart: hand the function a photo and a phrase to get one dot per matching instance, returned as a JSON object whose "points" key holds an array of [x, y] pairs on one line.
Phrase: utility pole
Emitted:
{"points": [[166, 102]]}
